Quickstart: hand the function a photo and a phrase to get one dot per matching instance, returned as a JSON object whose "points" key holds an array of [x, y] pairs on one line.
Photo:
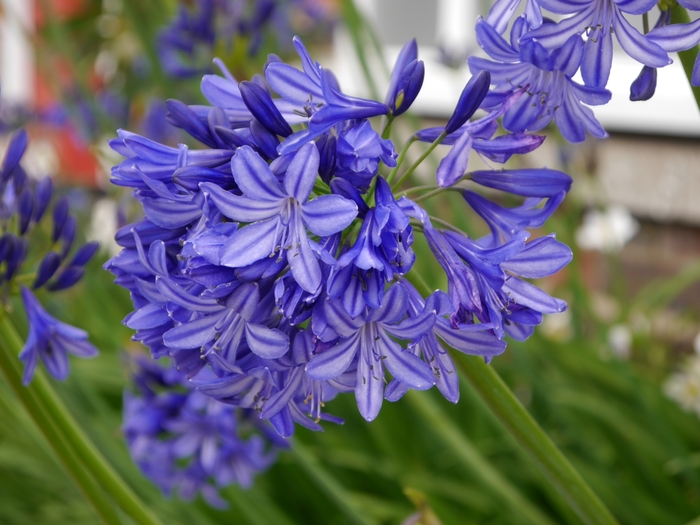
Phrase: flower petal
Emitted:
{"points": [[328, 214], [334, 361], [302, 172], [253, 176], [268, 343], [251, 243]]}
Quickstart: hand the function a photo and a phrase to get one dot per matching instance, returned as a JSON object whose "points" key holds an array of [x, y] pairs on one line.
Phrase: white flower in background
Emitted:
{"points": [[684, 386], [103, 225], [620, 340], [606, 231], [558, 327]]}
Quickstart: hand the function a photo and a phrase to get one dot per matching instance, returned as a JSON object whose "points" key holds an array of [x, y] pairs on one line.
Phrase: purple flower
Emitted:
{"points": [[406, 79], [279, 215], [50, 340], [359, 151], [678, 37], [599, 19], [475, 339], [186, 442], [382, 250], [314, 95], [547, 77], [478, 136], [367, 339], [503, 10]]}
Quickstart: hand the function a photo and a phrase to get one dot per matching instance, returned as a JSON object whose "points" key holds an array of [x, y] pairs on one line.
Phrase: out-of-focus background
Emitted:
{"points": [[615, 380]]}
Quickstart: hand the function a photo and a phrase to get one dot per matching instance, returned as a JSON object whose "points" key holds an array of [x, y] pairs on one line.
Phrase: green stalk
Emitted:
{"points": [[66, 426], [534, 441], [413, 167], [695, 521], [400, 158], [9, 364], [679, 15], [386, 132], [475, 464], [327, 483]]}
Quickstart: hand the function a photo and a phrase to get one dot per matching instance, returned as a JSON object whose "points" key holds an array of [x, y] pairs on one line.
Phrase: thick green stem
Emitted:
{"points": [[11, 369], [413, 167], [474, 462], [534, 441], [679, 15], [79, 443], [400, 159], [386, 132]]}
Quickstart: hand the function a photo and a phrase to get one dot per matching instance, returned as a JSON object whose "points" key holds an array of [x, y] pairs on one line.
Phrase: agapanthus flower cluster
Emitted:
{"points": [[274, 264], [23, 204], [186, 45], [188, 443], [542, 57]]}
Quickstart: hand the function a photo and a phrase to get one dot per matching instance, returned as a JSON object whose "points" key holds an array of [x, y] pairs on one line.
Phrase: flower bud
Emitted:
{"points": [[469, 101], [260, 104], [25, 205], [47, 268], [644, 86], [60, 214], [42, 197], [408, 87], [17, 147]]}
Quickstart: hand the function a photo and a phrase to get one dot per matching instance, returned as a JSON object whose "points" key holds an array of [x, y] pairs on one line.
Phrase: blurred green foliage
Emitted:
{"points": [[423, 457], [636, 449]]}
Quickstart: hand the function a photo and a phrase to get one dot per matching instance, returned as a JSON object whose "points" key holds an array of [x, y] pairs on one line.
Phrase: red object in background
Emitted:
{"points": [[77, 164], [60, 9]]}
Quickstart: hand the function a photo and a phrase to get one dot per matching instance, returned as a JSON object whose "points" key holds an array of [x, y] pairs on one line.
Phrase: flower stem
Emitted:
{"points": [[386, 132], [582, 500], [400, 158], [327, 483], [413, 167], [436, 191], [13, 374], [48, 403], [465, 451], [679, 15]]}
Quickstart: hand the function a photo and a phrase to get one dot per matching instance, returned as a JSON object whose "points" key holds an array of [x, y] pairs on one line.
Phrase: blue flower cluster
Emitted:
{"points": [[23, 205], [544, 56], [274, 265], [185, 46], [188, 443]]}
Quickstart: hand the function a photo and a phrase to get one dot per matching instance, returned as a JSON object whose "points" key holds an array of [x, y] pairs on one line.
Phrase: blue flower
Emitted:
{"points": [[478, 135], [381, 250], [359, 151], [23, 204], [186, 442], [406, 79], [547, 77], [600, 19], [367, 341], [644, 86], [474, 339], [678, 37], [315, 96], [279, 215], [50, 340], [502, 11], [271, 266]]}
